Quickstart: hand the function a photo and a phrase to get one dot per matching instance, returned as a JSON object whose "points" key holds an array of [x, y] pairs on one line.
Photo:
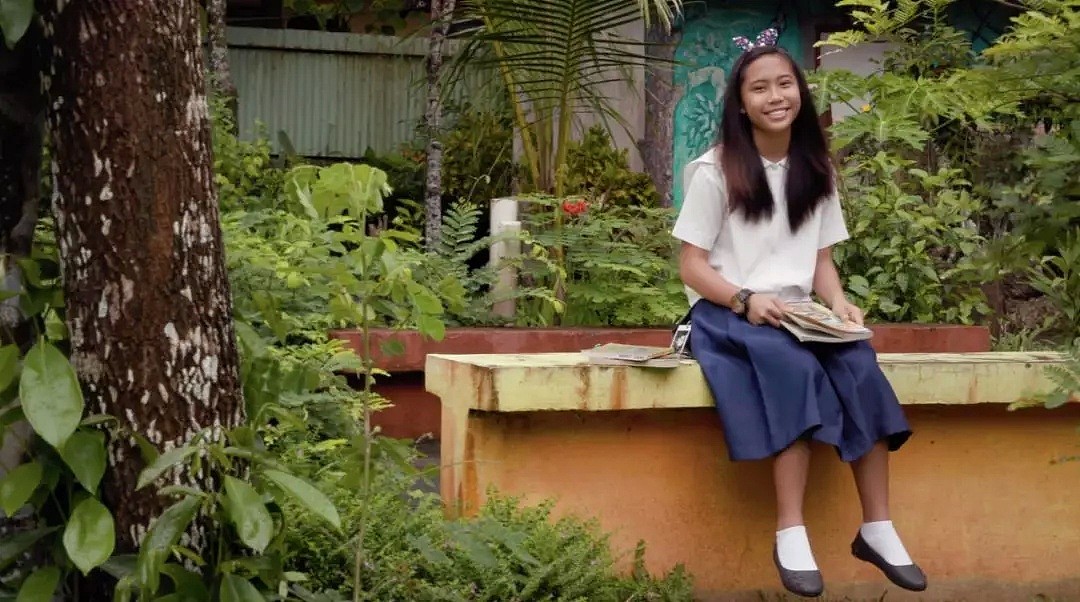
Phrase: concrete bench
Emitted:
{"points": [[975, 492]]}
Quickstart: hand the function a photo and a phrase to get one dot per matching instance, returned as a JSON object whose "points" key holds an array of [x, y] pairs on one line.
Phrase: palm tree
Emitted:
{"points": [[553, 57]]}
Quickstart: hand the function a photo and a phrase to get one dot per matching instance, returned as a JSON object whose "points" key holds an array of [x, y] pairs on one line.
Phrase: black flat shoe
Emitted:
{"points": [[908, 576], [807, 584]]}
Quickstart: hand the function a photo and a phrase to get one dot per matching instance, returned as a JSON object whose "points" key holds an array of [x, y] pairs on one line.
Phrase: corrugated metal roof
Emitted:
{"points": [[333, 94]]}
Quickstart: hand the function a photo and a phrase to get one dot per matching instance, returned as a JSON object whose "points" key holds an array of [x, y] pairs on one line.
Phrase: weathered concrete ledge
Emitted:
{"points": [[415, 412], [566, 381], [976, 492]]}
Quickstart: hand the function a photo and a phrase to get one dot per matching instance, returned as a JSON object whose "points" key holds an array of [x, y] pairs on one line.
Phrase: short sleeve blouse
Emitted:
{"points": [[765, 256]]}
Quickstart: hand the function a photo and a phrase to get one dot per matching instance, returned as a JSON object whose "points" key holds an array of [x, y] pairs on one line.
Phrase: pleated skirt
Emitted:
{"points": [[771, 390]]}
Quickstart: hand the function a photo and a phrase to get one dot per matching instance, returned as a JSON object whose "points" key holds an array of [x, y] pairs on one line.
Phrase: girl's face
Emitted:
{"points": [[770, 94]]}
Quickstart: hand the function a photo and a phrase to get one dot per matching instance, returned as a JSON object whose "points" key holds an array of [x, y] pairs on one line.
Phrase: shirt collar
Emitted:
{"points": [[782, 163]]}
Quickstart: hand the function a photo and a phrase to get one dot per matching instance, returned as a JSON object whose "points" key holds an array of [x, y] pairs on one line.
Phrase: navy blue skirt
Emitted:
{"points": [[772, 390]]}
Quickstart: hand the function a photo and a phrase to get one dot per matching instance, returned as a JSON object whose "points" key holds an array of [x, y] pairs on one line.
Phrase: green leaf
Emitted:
{"points": [[96, 419], [9, 417], [238, 589], [187, 586], [250, 341], [120, 566], [160, 538], [475, 549], [40, 585], [164, 462], [15, 18], [50, 394], [248, 513], [427, 549], [431, 326], [90, 535], [9, 362], [1056, 400], [84, 452], [308, 496], [392, 347], [424, 300], [147, 452], [17, 487]]}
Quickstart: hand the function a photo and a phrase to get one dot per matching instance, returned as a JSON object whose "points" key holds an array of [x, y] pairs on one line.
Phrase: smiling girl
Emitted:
{"points": [[758, 222]]}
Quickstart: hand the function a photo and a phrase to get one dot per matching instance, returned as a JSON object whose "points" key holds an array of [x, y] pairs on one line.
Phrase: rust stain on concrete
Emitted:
{"points": [[584, 384], [468, 489], [486, 395], [618, 389]]}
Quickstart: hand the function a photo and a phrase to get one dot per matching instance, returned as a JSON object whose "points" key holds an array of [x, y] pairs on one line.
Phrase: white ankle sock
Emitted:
{"points": [[883, 538], [793, 548]]}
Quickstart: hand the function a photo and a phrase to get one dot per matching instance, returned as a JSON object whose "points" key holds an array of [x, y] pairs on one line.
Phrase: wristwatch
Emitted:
{"points": [[740, 300]]}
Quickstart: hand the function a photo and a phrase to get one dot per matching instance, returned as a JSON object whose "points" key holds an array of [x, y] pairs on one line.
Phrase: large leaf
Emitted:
{"points": [[50, 394], [90, 535], [39, 585], [248, 513], [18, 485], [84, 452], [159, 540], [310, 497], [238, 589], [15, 18]]}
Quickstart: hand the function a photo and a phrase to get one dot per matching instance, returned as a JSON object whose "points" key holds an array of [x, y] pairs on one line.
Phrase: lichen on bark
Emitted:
{"points": [[148, 302]]}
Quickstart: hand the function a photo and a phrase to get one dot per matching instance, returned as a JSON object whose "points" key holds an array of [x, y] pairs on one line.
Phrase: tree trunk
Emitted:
{"points": [[148, 305], [441, 13], [220, 73], [658, 149]]}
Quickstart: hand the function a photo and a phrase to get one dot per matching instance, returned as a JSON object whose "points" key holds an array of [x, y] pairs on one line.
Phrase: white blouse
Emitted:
{"points": [[765, 256]]}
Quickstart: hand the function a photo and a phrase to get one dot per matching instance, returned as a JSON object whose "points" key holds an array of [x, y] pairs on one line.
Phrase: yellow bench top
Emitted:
{"points": [[567, 381]]}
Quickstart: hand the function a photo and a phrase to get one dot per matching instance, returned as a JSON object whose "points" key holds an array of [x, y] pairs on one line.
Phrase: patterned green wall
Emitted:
{"points": [[703, 58]]}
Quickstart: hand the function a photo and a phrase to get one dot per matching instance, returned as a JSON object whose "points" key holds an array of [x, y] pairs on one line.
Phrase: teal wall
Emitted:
{"points": [[704, 58]]}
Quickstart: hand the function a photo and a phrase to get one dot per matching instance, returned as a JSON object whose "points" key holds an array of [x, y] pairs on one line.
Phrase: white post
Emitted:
{"points": [[505, 225]]}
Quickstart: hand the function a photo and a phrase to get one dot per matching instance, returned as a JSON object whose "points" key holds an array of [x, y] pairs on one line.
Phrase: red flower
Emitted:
{"points": [[575, 206]]}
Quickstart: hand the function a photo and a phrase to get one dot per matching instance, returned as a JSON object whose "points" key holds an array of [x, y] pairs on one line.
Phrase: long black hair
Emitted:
{"points": [[809, 173]]}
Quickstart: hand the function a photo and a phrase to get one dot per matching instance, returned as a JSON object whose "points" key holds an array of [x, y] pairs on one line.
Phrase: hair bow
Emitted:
{"points": [[765, 38]]}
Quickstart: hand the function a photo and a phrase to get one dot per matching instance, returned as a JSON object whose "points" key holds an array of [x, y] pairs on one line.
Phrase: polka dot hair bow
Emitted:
{"points": [[765, 38]]}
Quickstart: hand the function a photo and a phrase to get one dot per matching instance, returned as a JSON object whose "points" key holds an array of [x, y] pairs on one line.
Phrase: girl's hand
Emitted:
{"points": [[762, 308], [848, 312]]}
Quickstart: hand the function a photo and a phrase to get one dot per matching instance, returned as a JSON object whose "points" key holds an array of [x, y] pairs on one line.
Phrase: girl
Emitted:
{"points": [[758, 222]]}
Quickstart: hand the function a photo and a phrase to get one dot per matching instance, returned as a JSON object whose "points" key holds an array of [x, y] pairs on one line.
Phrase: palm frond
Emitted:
{"points": [[554, 57]]}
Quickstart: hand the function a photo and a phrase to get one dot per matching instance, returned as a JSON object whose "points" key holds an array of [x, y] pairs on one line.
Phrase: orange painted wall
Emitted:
{"points": [[975, 495]]}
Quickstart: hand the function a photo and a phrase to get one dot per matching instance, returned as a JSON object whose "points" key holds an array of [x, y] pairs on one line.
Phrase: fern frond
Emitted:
{"points": [[460, 225]]}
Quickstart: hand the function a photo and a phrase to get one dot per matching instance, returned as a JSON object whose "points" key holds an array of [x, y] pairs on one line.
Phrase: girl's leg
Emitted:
{"points": [[790, 468], [789, 476], [872, 481]]}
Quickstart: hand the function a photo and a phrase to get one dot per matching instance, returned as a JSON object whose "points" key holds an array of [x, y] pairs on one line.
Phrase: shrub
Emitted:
{"points": [[595, 168], [507, 552], [913, 241]]}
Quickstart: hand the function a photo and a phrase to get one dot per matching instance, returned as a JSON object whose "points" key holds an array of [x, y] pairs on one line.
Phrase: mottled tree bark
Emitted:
{"points": [[658, 148], [441, 13], [148, 304], [220, 73]]}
